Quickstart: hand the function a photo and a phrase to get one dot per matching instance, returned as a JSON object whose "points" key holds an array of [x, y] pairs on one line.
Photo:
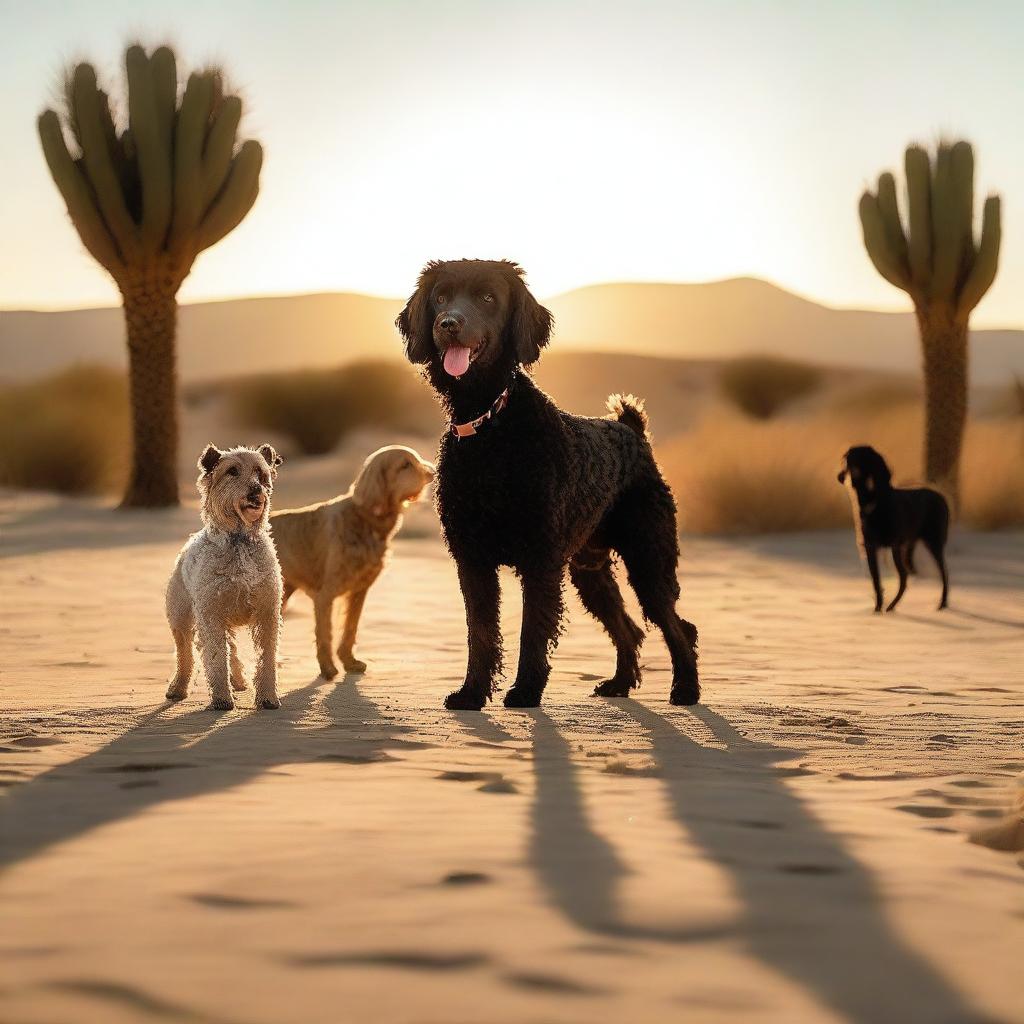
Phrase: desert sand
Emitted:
{"points": [[794, 849]]}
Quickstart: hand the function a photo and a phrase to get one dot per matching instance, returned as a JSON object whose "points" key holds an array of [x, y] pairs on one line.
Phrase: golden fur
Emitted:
{"points": [[339, 547]]}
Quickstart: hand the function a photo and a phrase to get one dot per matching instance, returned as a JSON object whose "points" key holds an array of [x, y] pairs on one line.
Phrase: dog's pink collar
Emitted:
{"points": [[461, 430]]}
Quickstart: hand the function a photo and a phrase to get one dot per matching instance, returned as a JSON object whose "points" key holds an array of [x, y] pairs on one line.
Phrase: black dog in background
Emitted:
{"points": [[892, 517], [522, 484]]}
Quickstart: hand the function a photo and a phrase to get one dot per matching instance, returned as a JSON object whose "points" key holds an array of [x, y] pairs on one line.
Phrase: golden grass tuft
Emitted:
{"points": [[736, 476], [762, 385], [67, 433], [315, 409]]}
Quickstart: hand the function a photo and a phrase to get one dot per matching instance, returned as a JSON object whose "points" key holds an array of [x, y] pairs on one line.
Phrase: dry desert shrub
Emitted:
{"points": [[736, 476], [762, 385], [66, 433], [315, 409]]}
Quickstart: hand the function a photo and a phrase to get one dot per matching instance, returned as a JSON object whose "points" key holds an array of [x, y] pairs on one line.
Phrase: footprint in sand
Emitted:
{"points": [[412, 961], [143, 766], [493, 782], [552, 984], [219, 901], [460, 878], [923, 811], [810, 869], [379, 755], [36, 741]]}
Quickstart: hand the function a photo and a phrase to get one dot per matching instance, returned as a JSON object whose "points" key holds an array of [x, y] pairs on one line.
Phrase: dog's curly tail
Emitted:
{"points": [[629, 409]]}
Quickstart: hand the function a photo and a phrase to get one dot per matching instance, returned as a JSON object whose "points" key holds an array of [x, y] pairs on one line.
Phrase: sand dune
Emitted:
{"points": [[696, 321], [792, 850]]}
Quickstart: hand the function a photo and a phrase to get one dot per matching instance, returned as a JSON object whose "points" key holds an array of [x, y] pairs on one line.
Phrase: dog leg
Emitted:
{"points": [[935, 549], [644, 533], [542, 620], [235, 665], [481, 593], [871, 555], [287, 591], [346, 649], [901, 569], [178, 687], [908, 557], [323, 608], [181, 619], [601, 597], [266, 630], [214, 647]]}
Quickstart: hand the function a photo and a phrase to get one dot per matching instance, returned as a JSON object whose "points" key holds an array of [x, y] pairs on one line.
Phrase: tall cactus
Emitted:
{"points": [[146, 197], [933, 256]]}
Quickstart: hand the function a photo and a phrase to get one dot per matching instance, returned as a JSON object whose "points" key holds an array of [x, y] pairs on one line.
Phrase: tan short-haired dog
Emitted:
{"points": [[339, 547], [227, 576]]}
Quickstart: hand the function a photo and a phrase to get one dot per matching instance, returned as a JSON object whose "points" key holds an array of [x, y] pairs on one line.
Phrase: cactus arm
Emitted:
{"points": [[77, 195], [235, 199], [947, 234], [189, 186], [164, 70], [94, 135], [876, 242], [919, 214], [220, 145], [888, 208], [986, 260], [152, 147], [962, 175]]}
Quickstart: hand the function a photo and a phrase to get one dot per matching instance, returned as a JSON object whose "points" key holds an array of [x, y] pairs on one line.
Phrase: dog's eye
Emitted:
{"points": [[232, 471], [488, 297], [442, 299]]}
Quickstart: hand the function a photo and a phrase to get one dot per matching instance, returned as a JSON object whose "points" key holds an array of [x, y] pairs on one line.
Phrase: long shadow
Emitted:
{"points": [[810, 910], [171, 756], [576, 865], [36, 530]]}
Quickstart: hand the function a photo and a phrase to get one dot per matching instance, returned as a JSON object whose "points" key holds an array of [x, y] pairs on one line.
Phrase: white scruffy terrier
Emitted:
{"points": [[227, 576]]}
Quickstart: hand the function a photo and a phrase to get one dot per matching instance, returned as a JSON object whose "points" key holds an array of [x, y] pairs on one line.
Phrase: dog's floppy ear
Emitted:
{"points": [[529, 324], [210, 457], [841, 477], [415, 323], [273, 459], [371, 489]]}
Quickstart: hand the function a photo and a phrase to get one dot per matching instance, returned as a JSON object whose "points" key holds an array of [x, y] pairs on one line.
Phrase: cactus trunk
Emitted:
{"points": [[944, 345], [150, 317], [146, 201], [934, 258]]}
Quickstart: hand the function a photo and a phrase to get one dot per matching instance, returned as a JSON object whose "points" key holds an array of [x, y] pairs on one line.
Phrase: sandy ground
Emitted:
{"points": [[795, 849]]}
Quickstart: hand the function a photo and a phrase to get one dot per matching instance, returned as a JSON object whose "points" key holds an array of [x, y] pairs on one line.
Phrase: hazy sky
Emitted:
{"points": [[591, 141]]}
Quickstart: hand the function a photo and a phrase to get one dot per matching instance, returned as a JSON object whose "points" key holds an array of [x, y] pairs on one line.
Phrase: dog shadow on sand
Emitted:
{"points": [[176, 754], [809, 910]]}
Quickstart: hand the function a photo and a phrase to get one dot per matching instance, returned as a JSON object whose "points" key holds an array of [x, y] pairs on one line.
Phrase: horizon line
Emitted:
{"points": [[547, 297]]}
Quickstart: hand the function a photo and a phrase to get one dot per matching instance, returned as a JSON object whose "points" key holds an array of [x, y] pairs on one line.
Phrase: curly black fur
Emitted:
{"points": [[539, 490], [893, 517]]}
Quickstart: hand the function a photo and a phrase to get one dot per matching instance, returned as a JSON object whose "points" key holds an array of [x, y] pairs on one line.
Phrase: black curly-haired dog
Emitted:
{"points": [[894, 517], [522, 484]]}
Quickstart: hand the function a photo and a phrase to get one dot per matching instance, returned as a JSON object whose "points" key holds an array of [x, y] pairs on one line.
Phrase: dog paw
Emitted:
{"points": [[354, 665], [465, 700], [222, 704], [520, 697], [176, 695], [328, 671], [684, 696], [612, 688], [271, 703], [238, 685]]}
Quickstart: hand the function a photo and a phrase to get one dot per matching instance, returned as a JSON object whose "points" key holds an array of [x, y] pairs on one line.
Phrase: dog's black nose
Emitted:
{"points": [[450, 324]]}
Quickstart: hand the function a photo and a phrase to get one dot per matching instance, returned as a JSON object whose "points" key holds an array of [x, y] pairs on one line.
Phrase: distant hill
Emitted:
{"points": [[716, 320]]}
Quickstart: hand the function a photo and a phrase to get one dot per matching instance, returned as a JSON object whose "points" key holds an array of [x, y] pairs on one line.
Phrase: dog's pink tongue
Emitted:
{"points": [[456, 360]]}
